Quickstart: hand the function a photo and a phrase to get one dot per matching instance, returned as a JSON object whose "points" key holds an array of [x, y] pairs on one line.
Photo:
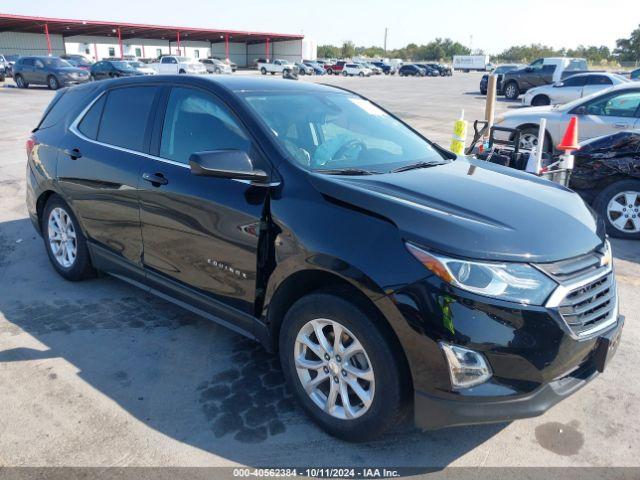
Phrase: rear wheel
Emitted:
{"points": [[619, 205], [361, 74], [540, 100], [182, 72], [20, 81], [511, 90], [341, 367], [263, 71], [64, 241]]}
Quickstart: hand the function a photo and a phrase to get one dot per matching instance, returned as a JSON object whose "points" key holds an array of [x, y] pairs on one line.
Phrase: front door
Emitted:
{"points": [[616, 111], [201, 231], [100, 164]]}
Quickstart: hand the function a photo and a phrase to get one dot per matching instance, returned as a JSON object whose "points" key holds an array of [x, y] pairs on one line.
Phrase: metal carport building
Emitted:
{"points": [[25, 35]]}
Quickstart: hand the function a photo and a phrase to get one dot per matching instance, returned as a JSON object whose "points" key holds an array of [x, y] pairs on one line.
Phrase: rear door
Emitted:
{"points": [[99, 172], [596, 83], [201, 232], [609, 113], [568, 90], [26, 69]]}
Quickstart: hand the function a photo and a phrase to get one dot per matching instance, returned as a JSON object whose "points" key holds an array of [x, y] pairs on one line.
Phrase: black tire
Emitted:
{"points": [[388, 407], [540, 101], [533, 132], [81, 268], [344, 73], [511, 91], [361, 74], [483, 91], [52, 83], [263, 71], [92, 78], [20, 81], [217, 70], [272, 73], [601, 205], [181, 72]]}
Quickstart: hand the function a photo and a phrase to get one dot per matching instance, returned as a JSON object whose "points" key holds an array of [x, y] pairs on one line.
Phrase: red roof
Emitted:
{"points": [[68, 27]]}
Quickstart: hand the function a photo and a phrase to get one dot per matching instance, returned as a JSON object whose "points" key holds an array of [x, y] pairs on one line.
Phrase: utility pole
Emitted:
{"points": [[386, 31], [471, 43]]}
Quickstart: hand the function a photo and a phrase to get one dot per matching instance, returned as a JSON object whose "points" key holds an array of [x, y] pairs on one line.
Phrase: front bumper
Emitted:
{"points": [[434, 412]]}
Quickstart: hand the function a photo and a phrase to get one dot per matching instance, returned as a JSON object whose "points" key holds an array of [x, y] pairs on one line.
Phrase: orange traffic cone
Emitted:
{"points": [[570, 139]]}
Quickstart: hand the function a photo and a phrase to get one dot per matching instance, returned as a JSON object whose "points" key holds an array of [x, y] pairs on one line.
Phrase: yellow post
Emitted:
{"points": [[459, 135]]}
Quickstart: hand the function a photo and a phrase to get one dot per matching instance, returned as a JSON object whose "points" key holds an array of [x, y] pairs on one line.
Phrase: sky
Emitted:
{"points": [[490, 25]]}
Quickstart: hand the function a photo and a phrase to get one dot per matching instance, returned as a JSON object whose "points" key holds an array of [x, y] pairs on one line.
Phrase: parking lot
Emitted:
{"points": [[99, 374]]}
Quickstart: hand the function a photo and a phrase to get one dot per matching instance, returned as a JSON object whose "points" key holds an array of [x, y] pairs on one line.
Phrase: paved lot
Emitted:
{"points": [[98, 374]]}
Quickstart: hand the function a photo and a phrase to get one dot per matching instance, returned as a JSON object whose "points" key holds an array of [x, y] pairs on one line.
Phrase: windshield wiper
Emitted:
{"points": [[413, 166], [347, 171]]}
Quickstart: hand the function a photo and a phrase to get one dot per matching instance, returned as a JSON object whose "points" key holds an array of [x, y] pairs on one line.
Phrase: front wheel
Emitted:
{"points": [[64, 241], [342, 368], [511, 90], [182, 72], [529, 140], [619, 205], [540, 100], [361, 74]]}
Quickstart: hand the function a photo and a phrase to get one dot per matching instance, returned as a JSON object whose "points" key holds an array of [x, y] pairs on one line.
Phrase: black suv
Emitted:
{"points": [[391, 276], [53, 72], [107, 69]]}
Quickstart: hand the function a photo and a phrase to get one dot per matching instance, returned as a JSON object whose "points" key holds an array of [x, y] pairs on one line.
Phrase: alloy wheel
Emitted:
{"points": [[334, 369], [528, 141], [623, 211], [62, 237]]}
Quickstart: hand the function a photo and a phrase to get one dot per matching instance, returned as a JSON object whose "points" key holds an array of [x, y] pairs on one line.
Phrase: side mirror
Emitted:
{"points": [[558, 84], [582, 110], [528, 69], [233, 164]]}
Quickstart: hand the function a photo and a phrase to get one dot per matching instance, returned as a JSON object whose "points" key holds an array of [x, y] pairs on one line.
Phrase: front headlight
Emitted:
{"points": [[514, 282]]}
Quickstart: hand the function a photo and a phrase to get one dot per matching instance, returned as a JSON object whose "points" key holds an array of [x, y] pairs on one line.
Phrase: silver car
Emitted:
{"points": [[571, 88], [608, 111]]}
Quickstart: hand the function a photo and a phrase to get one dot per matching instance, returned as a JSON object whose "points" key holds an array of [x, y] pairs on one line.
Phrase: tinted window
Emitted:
{"points": [[125, 117], [61, 105], [27, 62], [574, 82], [615, 105], [89, 124], [599, 80], [196, 122]]}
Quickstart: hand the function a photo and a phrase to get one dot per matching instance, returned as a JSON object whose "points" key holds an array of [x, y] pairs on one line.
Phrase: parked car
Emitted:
{"points": [[572, 88], [411, 70], [602, 113], [3, 69], [607, 176], [499, 72], [142, 68], [9, 61], [543, 71], [374, 69], [355, 69], [77, 60], [106, 69], [304, 69], [443, 70], [363, 257], [635, 75], [173, 64], [232, 65], [429, 71], [318, 68], [53, 72], [386, 68], [277, 66], [213, 65], [335, 68]]}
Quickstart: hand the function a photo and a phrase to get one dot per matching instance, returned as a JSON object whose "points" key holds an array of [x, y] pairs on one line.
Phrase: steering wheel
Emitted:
{"points": [[350, 144]]}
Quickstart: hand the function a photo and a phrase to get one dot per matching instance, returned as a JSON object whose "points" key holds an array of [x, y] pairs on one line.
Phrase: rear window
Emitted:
{"points": [[125, 117]]}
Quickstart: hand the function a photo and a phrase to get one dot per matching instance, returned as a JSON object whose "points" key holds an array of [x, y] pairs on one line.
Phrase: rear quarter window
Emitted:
{"points": [[63, 105]]}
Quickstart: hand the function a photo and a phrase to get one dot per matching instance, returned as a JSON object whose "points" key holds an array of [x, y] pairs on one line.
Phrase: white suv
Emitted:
{"points": [[351, 69]]}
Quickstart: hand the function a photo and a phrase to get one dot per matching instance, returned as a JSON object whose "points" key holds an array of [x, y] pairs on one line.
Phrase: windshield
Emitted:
{"points": [[184, 59], [56, 62], [122, 65], [334, 130], [136, 64]]}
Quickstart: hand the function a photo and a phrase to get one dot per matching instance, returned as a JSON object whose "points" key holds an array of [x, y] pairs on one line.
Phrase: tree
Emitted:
{"points": [[348, 49], [328, 51], [628, 49]]}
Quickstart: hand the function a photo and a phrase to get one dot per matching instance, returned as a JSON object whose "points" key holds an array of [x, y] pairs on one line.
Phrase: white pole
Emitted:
{"points": [[541, 138]]}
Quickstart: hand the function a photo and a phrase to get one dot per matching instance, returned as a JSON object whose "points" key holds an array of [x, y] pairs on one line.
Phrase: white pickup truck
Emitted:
{"points": [[172, 64], [277, 66]]}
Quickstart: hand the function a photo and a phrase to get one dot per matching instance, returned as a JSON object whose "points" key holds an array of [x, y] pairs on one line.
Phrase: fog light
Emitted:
{"points": [[467, 368]]}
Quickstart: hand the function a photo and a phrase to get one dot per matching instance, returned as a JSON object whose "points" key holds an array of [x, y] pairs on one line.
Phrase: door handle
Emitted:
{"points": [[73, 154], [155, 179]]}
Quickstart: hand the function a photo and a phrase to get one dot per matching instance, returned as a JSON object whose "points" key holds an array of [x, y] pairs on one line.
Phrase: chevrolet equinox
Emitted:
{"points": [[394, 279]]}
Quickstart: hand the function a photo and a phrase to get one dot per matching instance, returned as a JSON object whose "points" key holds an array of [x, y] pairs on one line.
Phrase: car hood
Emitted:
{"points": [[532, 112], [475, 209]]}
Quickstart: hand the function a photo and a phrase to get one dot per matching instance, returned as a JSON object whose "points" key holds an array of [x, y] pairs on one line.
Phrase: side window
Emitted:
{"points": [[577, 65], [196, 122], [91, 121], [574, 82], [617, 105], [599, 80], [38, 63], [27, 62], [173, 60], [125, 117], [165, 60]]}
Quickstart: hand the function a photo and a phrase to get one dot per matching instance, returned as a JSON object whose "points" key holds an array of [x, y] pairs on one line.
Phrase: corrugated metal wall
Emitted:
{"points": [[18, 43]]}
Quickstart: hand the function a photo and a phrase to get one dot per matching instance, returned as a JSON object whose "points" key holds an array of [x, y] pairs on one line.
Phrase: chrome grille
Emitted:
{"points": [[588, 308], [586, 297]]}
